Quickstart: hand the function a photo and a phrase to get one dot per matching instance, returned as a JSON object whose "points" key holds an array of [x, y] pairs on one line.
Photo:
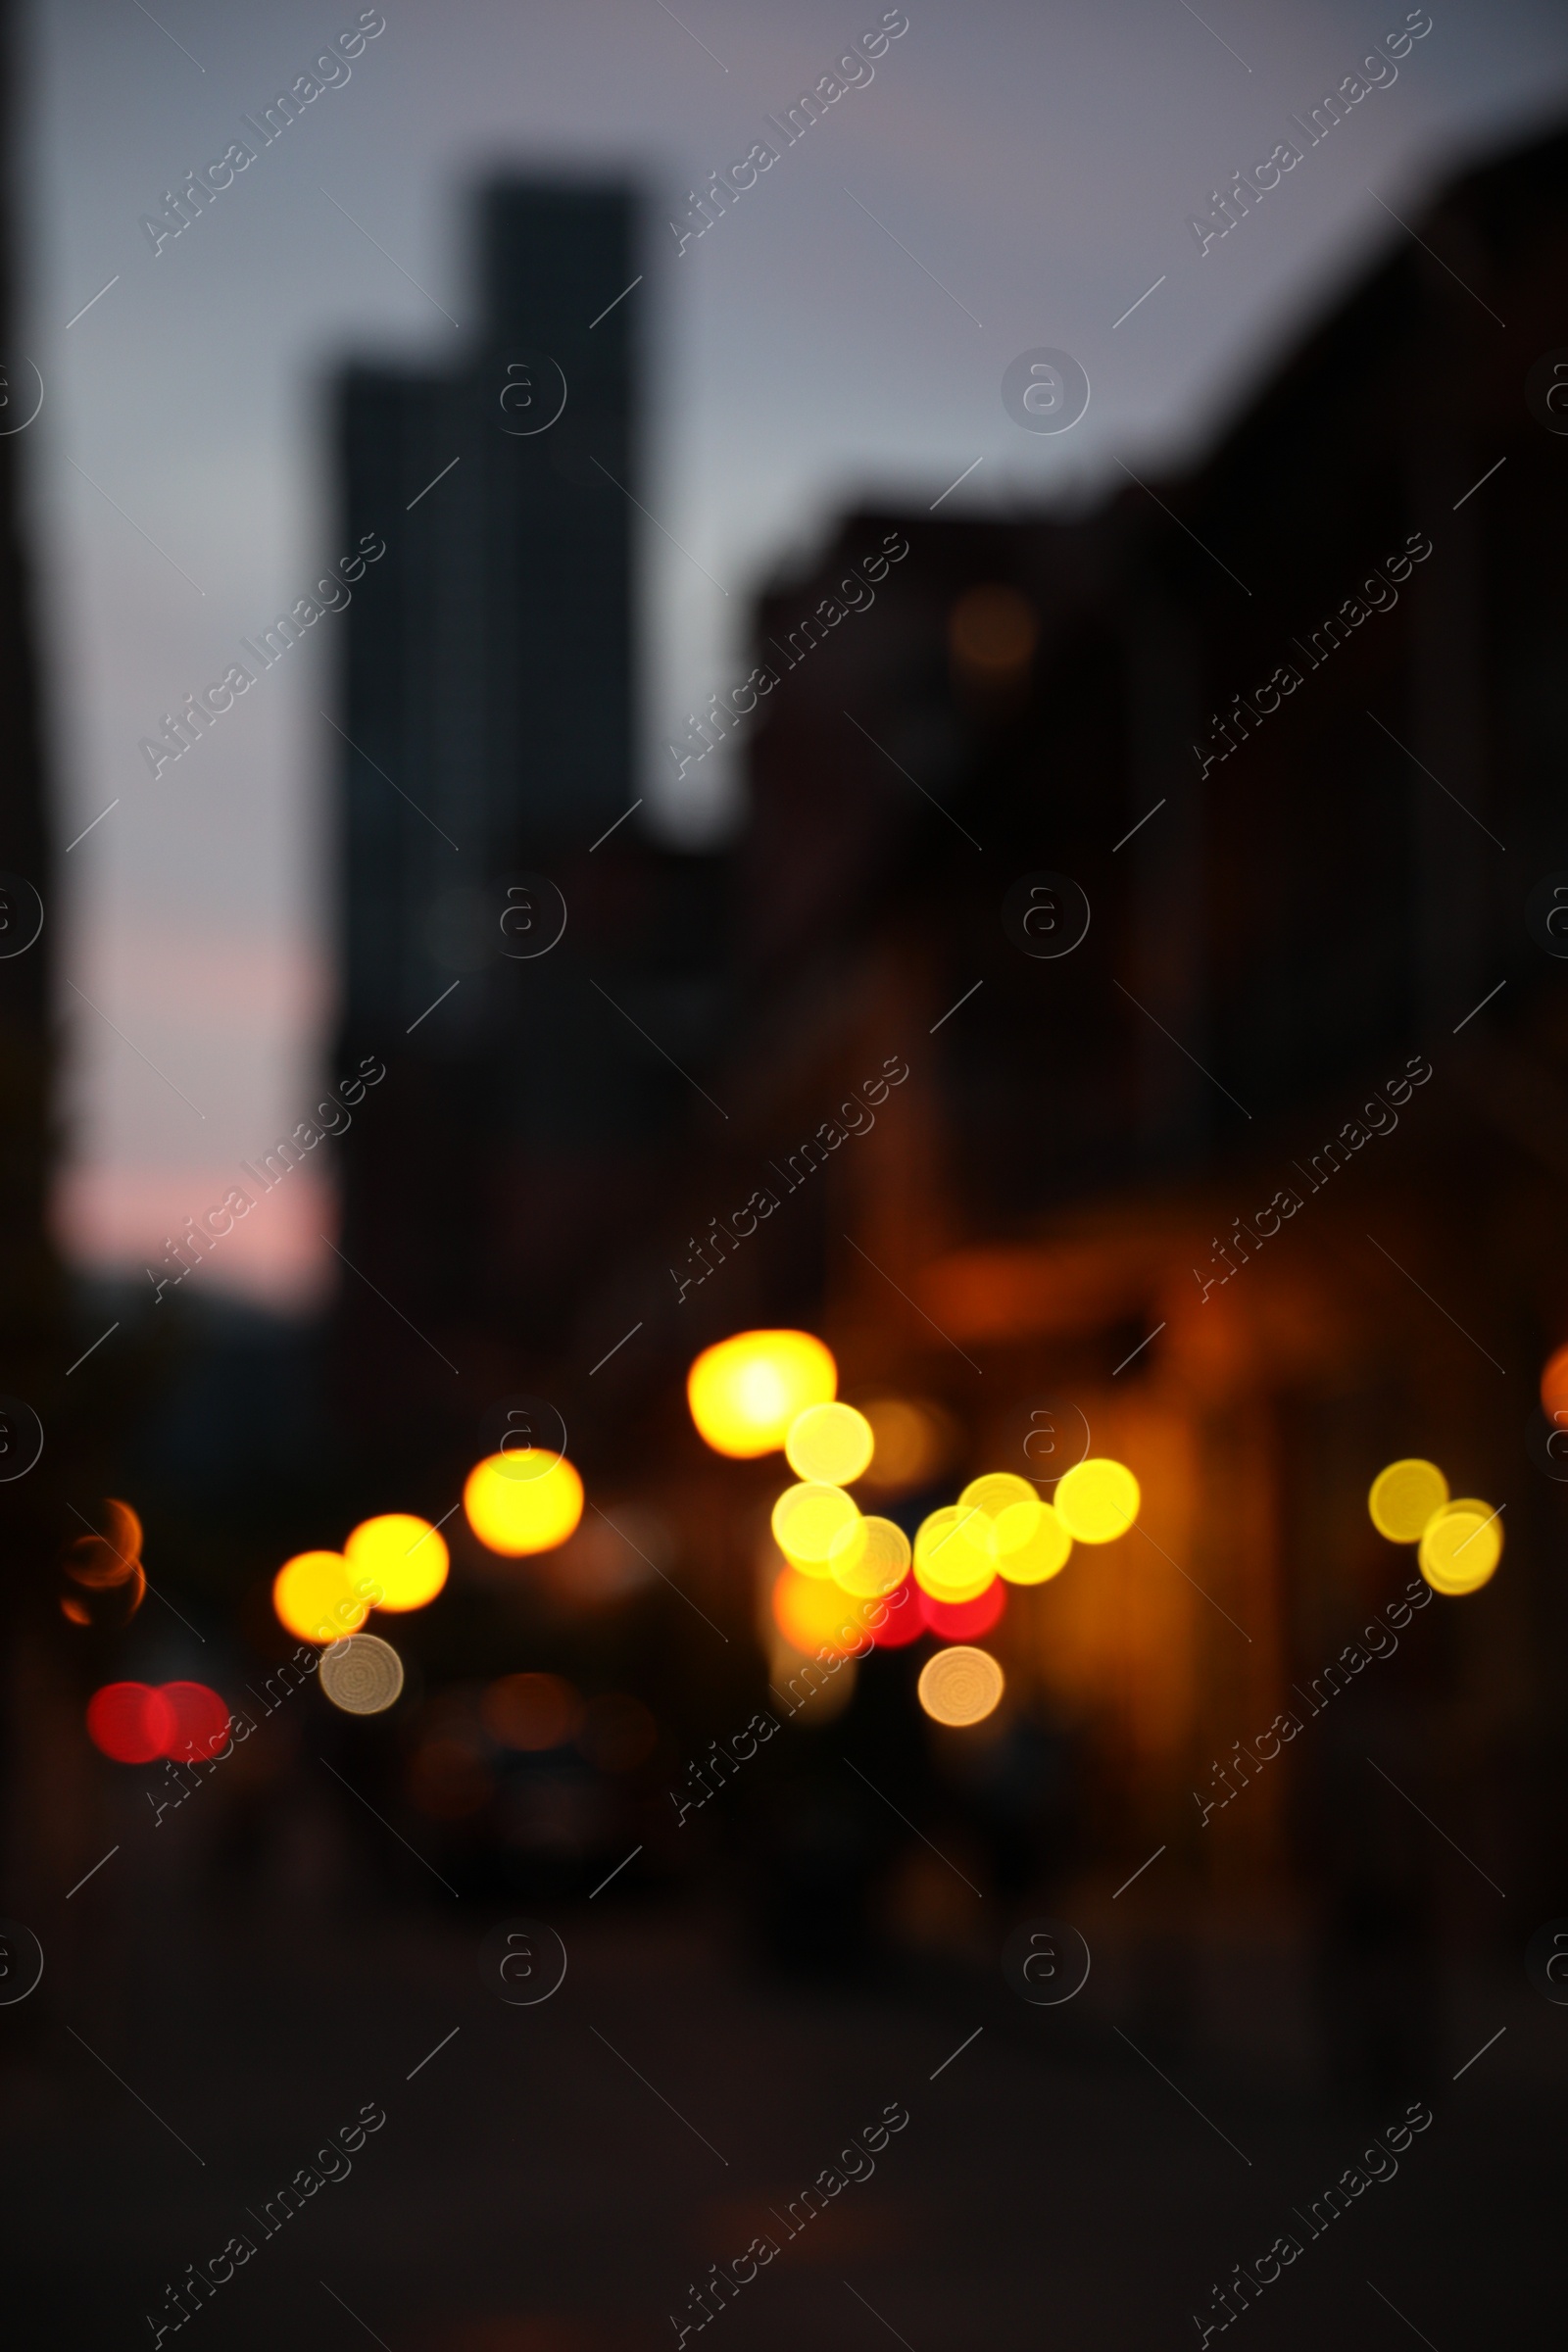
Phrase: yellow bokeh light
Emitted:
{"points": [[807, 1520], [1032, 1542], [1096, 1501], [320, 1598], [1460, 1546], [1404, 1496], [830, 1443], [515, 1509], [955, 1553], [812, 1613], [997, 1490], [959, 1686], [404, 1557], [869, 1558], [744, 1393]]}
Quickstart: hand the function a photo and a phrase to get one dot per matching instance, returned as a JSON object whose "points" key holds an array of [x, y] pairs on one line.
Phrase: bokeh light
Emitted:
{"points": [[959, 1686], [812, 1613], [914, 1443], [745, 1392], [199, 1722], [807, 1519], [991, 632], [1032, 1542], [869, 1557], [361, 1674], [130, 1722], [995, 1492], [903, 1623], [831, 1443], [1096, 1501], [318, 1597], [965, 1620], [532, 1712], [1404, 1496], [1554, 1386], [954, 1552], [106, 1569], [404, 1557], [133, 1722], [515, 1509], [1460, 1546], [110, 1558]]}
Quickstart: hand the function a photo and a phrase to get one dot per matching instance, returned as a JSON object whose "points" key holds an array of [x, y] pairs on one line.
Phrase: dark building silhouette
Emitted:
{"points": [[33, 1320], [489, 706], [1292, 727]]}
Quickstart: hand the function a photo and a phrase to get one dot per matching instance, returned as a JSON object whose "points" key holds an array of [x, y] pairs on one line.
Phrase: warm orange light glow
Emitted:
{"points": [[404, 1558], [992, 632], [318, 1596], [830, 1443], [1554, 1387], [107, 1567], [959, 1686], [954, 1553], [913, 1442], [516, 1507], [812, 1613], [532, 1711], [1032, 1542], [100, 1561], [1096, 1501], [870, 1558], [806, 1521], [1460, 1548], [1404, 1496], [745, 1392]]}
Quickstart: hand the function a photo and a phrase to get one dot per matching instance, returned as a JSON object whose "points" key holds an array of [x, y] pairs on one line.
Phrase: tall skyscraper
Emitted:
{"points": [[489, 715], [490, 673]]}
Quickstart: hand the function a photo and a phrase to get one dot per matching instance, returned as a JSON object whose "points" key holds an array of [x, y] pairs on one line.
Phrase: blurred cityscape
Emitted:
{"points": [[1107, 888]]}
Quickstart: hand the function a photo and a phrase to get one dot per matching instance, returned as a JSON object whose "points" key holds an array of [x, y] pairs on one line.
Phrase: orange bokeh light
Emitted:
{"points": [[812, 1613], [532, 1712], [1554, 1387]]}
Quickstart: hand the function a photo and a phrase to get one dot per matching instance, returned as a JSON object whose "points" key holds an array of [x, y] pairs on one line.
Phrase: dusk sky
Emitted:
{"points": [[1012, 177]]}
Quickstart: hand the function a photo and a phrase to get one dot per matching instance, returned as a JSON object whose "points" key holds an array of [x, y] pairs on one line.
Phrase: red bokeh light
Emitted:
{"points": [[201, 1722], [964, 1620], [903, 1623], [133, 1723], [130, 1722]]}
